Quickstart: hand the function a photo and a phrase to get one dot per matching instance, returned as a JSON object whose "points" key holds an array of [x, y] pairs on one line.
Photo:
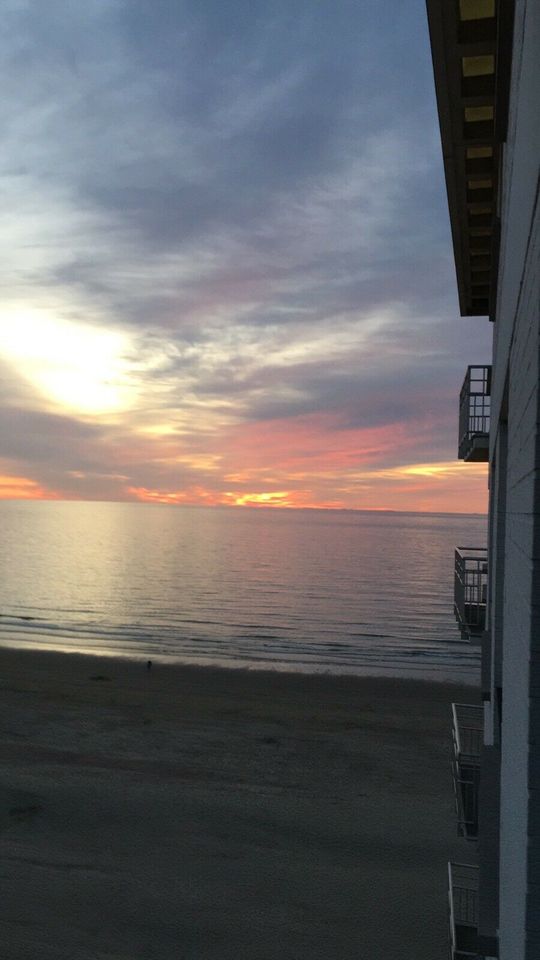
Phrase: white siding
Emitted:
{"points": [[517, 352]]}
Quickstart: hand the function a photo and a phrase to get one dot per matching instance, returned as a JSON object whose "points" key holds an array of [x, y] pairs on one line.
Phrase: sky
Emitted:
{"points": [[226, 263]]}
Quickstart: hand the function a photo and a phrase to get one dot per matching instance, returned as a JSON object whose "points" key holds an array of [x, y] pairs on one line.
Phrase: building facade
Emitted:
{"points": [[486, 58]]}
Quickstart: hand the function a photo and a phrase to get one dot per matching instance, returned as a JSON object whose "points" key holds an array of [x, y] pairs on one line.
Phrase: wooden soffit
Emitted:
{"points": [[471, 43]]}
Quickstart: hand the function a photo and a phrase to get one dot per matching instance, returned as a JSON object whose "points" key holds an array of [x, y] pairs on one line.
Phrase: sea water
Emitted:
{"points": [[310, 590]]}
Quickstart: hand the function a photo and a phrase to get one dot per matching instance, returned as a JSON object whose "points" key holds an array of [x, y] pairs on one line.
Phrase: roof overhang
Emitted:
{"points": [[471, 44]]}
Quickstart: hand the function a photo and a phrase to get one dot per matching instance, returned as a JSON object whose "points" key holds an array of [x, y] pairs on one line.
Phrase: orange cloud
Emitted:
{"points": [[445, 487], [303, 462], [191, 495], [23, 488], [273, 498]]}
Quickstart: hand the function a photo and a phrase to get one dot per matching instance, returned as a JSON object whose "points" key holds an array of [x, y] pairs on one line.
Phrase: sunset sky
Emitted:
{"points": [[226, 261]]}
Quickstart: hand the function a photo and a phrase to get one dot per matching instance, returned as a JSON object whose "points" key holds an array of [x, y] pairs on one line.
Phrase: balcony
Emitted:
{"points": [[463, 903], [474, 410], [467, 732], [470, 589]]}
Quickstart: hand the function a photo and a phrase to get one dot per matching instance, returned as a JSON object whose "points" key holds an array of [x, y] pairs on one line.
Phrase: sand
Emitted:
{"points": [[197, 813]]}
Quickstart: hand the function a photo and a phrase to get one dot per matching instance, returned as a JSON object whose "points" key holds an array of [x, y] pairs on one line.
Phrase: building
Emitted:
{"points": [[486, 59]]}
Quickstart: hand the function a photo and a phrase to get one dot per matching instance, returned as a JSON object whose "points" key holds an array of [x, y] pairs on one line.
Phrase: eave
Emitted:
{"points": [[471, 44]]}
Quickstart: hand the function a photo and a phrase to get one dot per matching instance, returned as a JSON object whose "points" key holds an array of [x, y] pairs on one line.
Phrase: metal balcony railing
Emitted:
{"points": [[474, 411], [463, 904], [467, 732], [470, 589]]}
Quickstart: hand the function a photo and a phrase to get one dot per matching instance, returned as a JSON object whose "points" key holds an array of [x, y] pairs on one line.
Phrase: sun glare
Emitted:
{"points": [[276, 498], [78, 367]]}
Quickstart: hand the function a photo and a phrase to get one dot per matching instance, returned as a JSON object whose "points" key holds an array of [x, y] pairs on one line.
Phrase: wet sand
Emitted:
{"points": [[187, 812]]}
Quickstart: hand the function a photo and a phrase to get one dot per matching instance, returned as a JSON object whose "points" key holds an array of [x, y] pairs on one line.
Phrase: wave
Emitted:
{"points": [[366, 651]]}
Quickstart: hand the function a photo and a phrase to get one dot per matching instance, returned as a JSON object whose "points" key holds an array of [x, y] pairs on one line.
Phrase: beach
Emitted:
{"points": [[183, 812]]}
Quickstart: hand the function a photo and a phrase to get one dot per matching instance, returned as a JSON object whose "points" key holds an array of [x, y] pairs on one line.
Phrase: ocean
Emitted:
{"points": [[303, 590]]}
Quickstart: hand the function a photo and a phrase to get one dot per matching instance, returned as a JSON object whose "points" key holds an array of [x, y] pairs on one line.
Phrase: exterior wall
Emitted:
{"points": [[493, 644], [517, 579], [490, 767], [519, 187], [488, 850]]}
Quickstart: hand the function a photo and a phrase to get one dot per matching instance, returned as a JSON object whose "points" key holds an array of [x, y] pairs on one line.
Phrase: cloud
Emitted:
{"points": [[247, 199], [23, 488]]}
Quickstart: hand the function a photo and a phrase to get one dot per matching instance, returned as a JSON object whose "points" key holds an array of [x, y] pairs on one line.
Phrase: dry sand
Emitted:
{"points": [[200, 813]]}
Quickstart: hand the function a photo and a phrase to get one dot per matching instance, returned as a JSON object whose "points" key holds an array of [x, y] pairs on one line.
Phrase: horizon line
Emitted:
{"points": [[256, 508]]}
